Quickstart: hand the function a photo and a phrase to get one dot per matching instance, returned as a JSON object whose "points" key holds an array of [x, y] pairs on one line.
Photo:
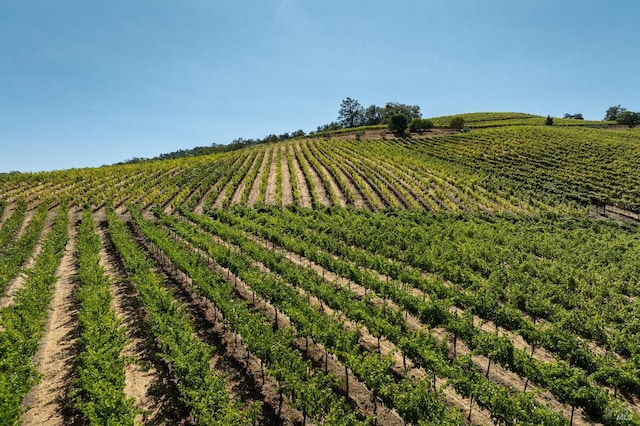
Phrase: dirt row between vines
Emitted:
{"points": [[147, 378], [287, 191], [254, 191], [8, 209], [272, 182], [46, 401]]}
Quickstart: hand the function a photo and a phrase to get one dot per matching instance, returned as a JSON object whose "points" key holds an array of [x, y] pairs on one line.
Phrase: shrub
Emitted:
{"points": [[629, 118], [420, 124], [548, 121], [457, 123], [398, 123]]}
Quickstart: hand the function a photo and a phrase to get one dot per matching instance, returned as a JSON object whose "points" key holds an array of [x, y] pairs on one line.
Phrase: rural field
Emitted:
{"points": [[487, 276]]}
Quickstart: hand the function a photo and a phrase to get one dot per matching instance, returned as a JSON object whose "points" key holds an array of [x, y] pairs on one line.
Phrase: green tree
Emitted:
{"points": [[351, 113], [614, 112], [548, 121], [393, 108], [457, 123], [398, 123], [420, 124], [372, 115], [629, 118], [577, 116]]}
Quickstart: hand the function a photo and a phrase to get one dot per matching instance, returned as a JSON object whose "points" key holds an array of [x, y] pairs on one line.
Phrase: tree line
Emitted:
{"points": [[622, 116], [396, 116]]}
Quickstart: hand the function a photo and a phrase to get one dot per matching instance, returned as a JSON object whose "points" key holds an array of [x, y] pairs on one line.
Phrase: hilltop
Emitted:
{"points": [[503, 162]]}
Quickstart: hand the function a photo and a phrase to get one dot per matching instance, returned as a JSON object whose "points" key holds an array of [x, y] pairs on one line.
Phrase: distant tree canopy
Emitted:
{"points": [[392, 108], [574, 116], [420, 124], [457, 123], [614, 112], [353, 114], [629, 118], [398, 123], [373, 115]]}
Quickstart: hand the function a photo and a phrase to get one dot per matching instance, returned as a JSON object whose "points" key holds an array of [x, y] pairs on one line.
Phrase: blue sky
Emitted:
{"points": [[86, 83]]}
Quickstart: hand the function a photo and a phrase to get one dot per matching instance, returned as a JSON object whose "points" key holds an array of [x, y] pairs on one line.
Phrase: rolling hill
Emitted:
{"points": [[446, 277]]}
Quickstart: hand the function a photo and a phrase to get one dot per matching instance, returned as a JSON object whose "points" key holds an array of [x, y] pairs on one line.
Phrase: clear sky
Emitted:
{"points": [[86, 82]]}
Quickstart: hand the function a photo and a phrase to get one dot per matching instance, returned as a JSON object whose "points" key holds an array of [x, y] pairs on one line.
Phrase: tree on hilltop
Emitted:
{"points": [[457, 123], [372, 115], [351, 113], [393, 108], [629, 118], [420, 124], [398, 123], [574, 116], [614, 112]]}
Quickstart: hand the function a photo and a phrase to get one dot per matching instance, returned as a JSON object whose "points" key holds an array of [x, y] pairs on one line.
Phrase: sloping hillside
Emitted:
{"points": [[437, 278]]}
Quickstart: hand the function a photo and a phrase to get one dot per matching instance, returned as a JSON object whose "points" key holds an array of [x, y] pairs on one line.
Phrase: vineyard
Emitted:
{"points": [[444, 278]]}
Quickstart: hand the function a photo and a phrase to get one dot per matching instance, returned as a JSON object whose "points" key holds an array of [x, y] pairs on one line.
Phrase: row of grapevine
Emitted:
{"points": [[311, 393], [601, 368], [14, 253], [346, 303], [21, 323], [98, 391], [405, 173], [202, 389], [10, 227], [591, 166], [314, 324]]}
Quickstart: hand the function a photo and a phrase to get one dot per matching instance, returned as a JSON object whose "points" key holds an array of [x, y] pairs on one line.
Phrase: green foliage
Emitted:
{"points": [[202, 389], [613, 113], [98, 390], [410, 112], [351, 113], [577, 116], [10, 227], [570, 163], [420, 125], [548, 121], [21, 324], [373, 115], [629, 118], [15, 251], [398, 123], [457, 123]]}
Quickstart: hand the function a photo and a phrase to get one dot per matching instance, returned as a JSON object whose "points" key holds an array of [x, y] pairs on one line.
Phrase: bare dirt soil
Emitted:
{"points": [[46, 401], [147, 379]]}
